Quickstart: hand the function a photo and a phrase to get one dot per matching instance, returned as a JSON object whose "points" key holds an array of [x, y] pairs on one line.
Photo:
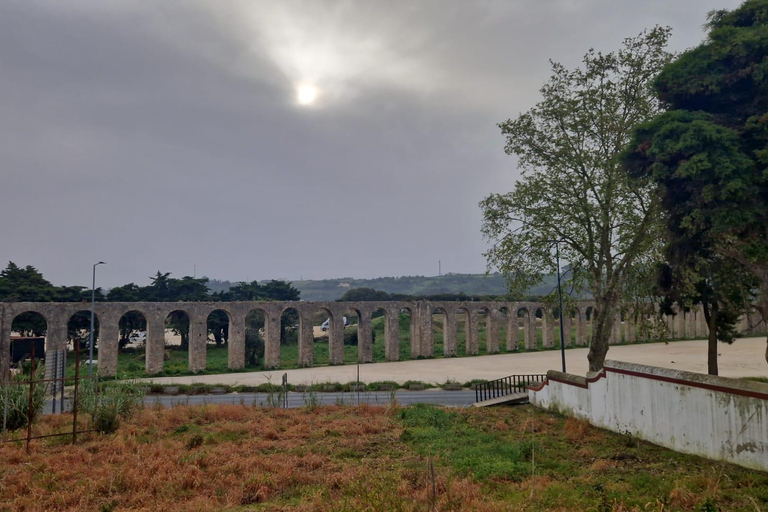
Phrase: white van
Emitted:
{"points": [[327, 324]]}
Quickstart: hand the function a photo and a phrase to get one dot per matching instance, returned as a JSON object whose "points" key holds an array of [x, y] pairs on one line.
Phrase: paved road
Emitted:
{"points": [[463, 398], [294, 399]]}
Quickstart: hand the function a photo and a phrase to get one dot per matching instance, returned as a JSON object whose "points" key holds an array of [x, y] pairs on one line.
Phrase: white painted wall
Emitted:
{"points": [[715, 417]]}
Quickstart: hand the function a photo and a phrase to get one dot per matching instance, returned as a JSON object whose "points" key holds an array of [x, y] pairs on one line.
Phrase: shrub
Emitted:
{"points": [[18, 400], [350, 337], [107, 405]]}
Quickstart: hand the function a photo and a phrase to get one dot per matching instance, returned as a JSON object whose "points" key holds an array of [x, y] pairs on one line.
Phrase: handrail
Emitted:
{"points": [[505, 386]]}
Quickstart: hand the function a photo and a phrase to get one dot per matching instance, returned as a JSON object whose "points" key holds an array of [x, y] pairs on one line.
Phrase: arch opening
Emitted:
{"points": [[462, 331], [217, 326], [29, 331], [79, 332], [439, 329], [379, 330], [176, 342], [290, 321], [254, 338]]}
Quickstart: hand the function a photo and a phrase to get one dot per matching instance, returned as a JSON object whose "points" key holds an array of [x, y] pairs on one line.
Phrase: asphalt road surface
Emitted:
{"points": [[462, 398]]}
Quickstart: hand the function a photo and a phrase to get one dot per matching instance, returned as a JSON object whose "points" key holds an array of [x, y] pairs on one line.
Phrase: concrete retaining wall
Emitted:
{"points": [[714, 417]]}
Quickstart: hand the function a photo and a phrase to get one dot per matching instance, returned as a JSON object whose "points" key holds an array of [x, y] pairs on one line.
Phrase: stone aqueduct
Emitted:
{"points": [[494, 314]]}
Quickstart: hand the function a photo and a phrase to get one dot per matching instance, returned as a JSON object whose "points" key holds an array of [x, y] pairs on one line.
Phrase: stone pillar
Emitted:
{"points": [[425, 328], [680, 324], [547, 328], [414, 333], [473, 331], [512, 330], [492, 323], [364, 338], [306, 339], [615, 338], [392, 336], [198, 338], [154, 346], [272, 339], [629, 328], [581, 328], [449, 334], [690, 324], [56, 339], [529, 330], [236, 342], [109, 332], [336, 339], [702, 331]]}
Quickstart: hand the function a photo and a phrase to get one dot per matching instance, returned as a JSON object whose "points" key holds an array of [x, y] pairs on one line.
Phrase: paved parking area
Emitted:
{"points": [[744, 358]]}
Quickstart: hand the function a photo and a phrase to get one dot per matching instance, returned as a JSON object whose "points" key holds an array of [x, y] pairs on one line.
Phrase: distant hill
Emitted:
{"points": [[470, 284]]}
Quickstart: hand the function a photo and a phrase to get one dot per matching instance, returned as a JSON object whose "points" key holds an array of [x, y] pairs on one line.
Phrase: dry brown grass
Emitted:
{"points": [[220, 457]]}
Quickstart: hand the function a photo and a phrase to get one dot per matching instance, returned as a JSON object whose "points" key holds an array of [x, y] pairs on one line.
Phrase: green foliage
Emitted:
{"points": [[18, 400], [707, 155], [108, 405], [573, 188], [433, 430]]}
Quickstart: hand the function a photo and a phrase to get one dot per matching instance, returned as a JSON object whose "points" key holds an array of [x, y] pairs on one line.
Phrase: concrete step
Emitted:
{"points": [[511, 399]]}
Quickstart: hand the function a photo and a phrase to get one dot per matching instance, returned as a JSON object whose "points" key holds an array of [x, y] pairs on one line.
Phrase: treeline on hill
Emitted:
{"points": [[473, 285], [27, 284], [370, 294]]}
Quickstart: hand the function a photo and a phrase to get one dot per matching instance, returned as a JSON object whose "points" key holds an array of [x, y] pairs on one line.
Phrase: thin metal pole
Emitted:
{"points": [[560, 299], [93, 314], [63, 381], [30, 413], [74, 404], [55, 383], [5, 411]]}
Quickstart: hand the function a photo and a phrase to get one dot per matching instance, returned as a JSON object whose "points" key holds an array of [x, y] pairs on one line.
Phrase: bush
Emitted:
{"points": [[350, 337], [254, 347], [108, 404], [18, 400]]}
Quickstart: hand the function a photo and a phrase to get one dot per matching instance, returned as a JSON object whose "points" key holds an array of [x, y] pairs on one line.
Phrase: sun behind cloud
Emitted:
{"points": [[306, 94]]}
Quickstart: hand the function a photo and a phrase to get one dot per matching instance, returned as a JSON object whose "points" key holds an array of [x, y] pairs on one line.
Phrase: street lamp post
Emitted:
{"points": [[93, 314]]}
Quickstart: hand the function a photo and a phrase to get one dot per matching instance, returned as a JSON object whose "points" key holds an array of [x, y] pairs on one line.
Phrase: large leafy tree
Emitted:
{"points": [[708, 153], [573, 188]]}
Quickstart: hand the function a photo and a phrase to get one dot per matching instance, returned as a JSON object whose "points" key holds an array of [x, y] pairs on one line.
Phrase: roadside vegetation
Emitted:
{"points": [[237, 457]]}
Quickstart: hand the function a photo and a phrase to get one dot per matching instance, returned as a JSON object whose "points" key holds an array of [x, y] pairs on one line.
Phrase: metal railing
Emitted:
{"points": [[505, 386], [52, 385]]}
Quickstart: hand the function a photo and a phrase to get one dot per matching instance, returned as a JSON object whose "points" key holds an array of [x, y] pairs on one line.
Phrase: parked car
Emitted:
{"points": [[327, 324], [138, 337]]}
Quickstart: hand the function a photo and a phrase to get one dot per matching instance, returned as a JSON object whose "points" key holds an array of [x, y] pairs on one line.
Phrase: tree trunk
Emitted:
{"points": [[711, 318], [602, 324], [762, 308]]}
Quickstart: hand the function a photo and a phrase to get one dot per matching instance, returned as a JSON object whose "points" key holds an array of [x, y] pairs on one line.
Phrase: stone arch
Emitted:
{"points": [[445, 330], [362, 326], [180, 343], [78, 331], [504, 332], [218, 325], [407, 314], [27, 325], [526, 314], [463, 330], [290, 333], [484, 325], [334, 325], [255, 337]]}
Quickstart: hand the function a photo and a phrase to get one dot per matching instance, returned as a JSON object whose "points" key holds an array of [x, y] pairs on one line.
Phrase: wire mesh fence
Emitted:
{"points": [[26, 396]]}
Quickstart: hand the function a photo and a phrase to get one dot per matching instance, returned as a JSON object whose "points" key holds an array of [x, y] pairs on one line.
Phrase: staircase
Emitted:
{"points": [[512, 390]]}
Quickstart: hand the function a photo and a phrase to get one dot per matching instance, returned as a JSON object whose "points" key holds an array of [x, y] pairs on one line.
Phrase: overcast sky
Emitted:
{"points": [[167, 135]]}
